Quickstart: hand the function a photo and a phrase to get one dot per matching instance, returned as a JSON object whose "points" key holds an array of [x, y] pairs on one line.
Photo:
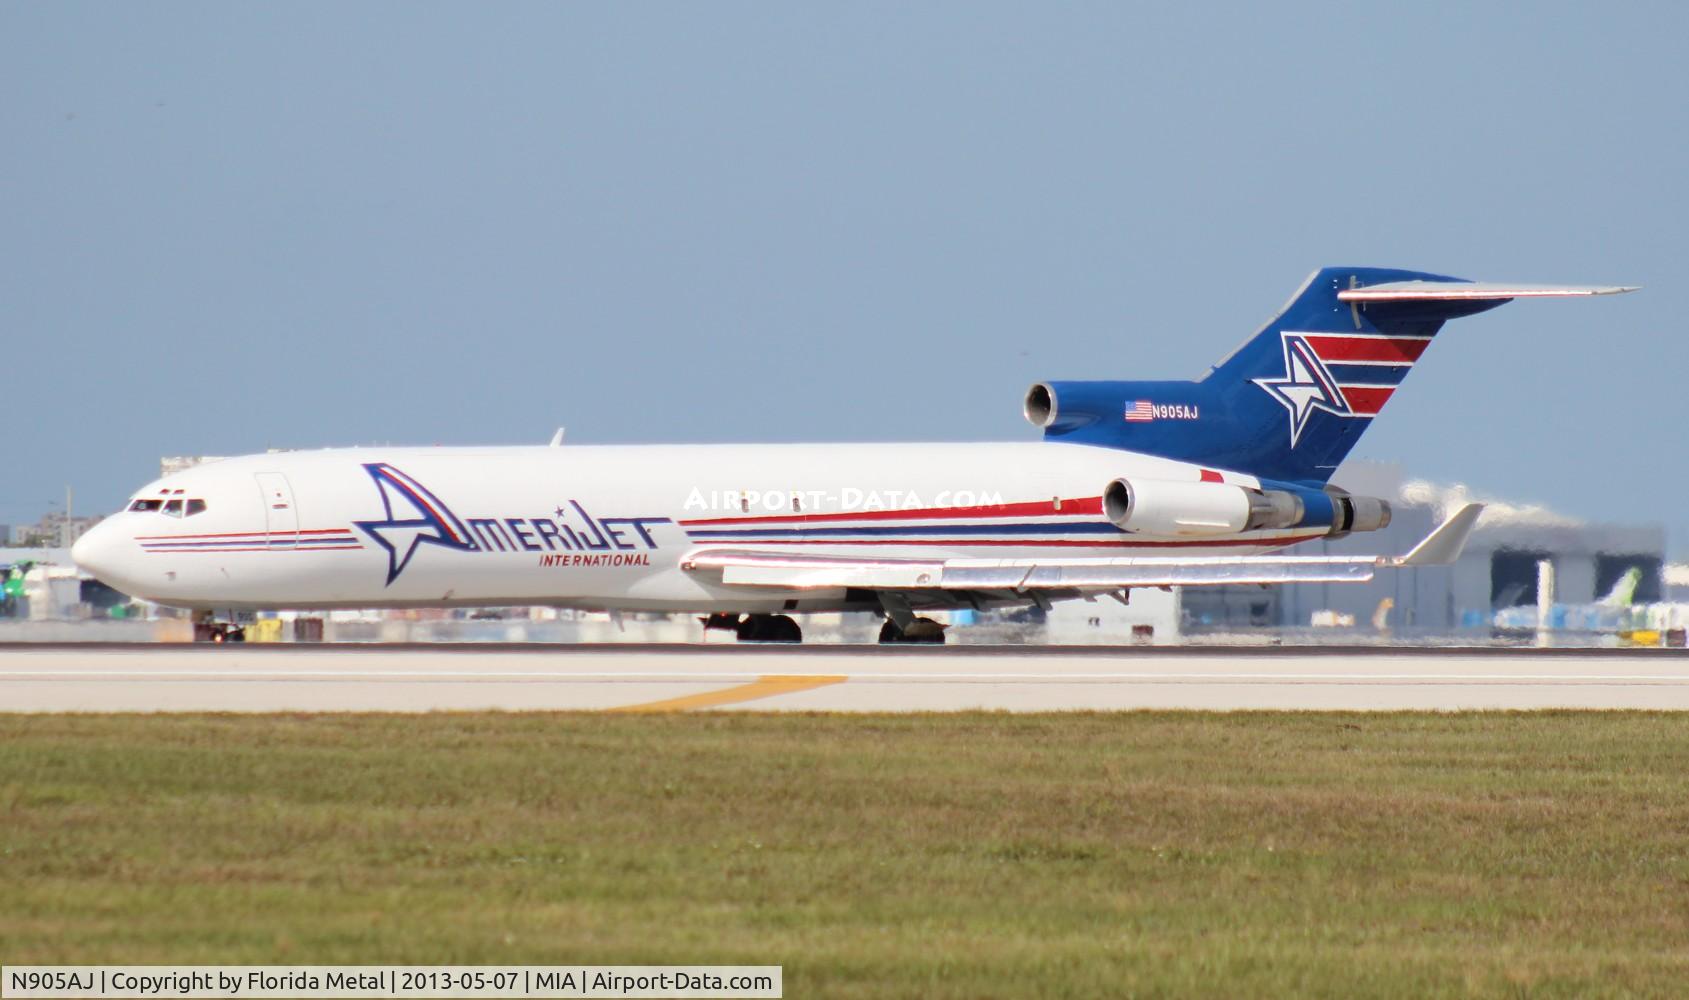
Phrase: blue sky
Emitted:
{"points": [[228, 227]]}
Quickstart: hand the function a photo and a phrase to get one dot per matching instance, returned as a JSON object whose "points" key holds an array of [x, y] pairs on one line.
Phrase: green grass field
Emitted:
{"points": [[958, 855]]}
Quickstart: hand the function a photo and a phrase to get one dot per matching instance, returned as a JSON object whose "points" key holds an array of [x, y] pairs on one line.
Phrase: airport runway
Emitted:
{"points": [[163, 678]]}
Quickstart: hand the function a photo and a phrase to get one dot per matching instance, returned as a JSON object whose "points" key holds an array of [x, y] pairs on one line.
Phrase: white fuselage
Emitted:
{"points": [[609, 527]]}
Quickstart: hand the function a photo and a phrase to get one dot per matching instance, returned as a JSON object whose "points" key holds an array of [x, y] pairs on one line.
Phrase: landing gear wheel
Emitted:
{"points": [[721, 621], [769, 628], [218, 632], [921, 630]]}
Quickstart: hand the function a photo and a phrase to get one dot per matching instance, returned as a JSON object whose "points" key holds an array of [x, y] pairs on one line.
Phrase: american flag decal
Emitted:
{"points": [[1139, 411]]}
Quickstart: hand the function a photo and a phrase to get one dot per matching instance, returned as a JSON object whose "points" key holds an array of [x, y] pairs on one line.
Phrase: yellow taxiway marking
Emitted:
{"points": [[766, 686]]}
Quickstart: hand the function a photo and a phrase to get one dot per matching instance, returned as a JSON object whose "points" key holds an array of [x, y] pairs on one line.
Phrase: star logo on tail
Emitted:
{"points": [[1306, 386], [415, 517]]}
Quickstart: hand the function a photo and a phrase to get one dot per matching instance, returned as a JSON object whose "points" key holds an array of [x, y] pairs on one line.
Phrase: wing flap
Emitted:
{"points": [[767, 569], [1114, 573], [772, 569]]}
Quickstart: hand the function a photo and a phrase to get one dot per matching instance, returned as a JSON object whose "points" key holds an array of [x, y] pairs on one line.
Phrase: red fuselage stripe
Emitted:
{"points": [[1025, 543], [1040, 508], [245, 534]]}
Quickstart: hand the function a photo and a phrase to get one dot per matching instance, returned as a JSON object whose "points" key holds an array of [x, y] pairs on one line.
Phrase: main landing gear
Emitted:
{"points": [[757, 628], [901, 625], [921, 630]]}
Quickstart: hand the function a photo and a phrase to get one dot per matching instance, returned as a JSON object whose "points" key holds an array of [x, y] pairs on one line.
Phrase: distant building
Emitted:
{"points": [[169, 465], [1676, 581], [54, 530], [1150, 615], [1497, 570]]}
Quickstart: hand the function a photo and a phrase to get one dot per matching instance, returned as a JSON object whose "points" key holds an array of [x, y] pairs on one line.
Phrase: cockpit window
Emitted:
{"points": [[174, 507]]}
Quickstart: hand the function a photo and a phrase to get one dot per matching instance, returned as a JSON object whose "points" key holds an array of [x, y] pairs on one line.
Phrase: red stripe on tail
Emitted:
{"points": [[1337, 348], [1367, 400]]}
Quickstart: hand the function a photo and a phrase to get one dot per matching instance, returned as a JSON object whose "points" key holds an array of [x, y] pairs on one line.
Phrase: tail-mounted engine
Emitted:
{"points": [[1353, 513], [1186, 509]]}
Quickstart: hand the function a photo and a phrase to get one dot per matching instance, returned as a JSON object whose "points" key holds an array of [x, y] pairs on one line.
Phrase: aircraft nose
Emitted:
{"points": [[94, 552]]}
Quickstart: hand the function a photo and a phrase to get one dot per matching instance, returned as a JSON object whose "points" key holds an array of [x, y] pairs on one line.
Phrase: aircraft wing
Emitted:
{"points": [[782, 570]]}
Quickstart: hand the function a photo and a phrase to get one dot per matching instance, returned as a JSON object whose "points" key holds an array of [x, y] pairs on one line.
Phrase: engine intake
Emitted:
{"points": [[1040, 406], [1064, 407]]}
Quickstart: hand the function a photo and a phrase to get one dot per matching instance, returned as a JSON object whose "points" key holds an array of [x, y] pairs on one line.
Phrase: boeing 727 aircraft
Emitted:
{"points": [[1136, 484]]}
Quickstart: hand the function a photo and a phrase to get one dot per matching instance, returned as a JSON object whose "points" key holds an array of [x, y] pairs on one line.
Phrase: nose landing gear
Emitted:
{"points": [[219, 632], [220, 626]]}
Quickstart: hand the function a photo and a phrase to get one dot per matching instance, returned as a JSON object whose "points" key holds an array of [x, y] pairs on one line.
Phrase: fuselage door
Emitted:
{"points": [[281, 517]]}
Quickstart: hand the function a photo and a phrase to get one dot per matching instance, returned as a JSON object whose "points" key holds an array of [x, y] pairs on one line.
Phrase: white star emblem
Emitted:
{"points": [[429, 523], [1305, 387]]}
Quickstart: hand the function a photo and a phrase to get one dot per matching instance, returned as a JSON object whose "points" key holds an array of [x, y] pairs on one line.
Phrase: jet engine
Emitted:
{"points": [[1353, 513], [1061, 407], [1161, 507], [1186, 509]]}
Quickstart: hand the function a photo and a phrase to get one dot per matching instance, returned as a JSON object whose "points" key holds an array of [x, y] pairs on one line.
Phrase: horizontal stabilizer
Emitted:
{"points": [[1455, 291]]}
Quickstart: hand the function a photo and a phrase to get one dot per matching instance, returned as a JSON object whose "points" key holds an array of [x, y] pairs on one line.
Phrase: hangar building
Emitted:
{"points": [[1497, 570]]}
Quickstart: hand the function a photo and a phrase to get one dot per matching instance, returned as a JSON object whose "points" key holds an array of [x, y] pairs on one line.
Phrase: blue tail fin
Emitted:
{"points": [[1292, 401]]}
